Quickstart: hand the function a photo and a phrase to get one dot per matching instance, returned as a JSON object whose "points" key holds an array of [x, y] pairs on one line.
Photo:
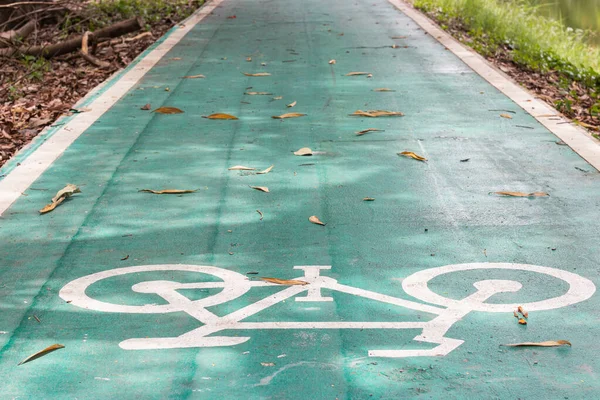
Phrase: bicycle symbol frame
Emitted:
{"points": [[235, 285]]}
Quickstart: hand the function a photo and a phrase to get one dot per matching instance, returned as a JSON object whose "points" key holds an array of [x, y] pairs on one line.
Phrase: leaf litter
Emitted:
{"points": [[292, 104], [357, 73], [383, 90], [220, 116], [413, 155], [60, 196], [169, 191], [522, 194], [315, 220], [265, 171], [377, 113], [199, 76], [258, 93], [288, 115], [549, 343], [305, 151], [168, 110], [360, 133], [261, 188], [257, 74], [42, 353], [284, 281], [240, 168]]}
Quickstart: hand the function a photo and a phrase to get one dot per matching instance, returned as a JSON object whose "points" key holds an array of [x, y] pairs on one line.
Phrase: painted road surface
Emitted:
{"points": [[407, 296]]}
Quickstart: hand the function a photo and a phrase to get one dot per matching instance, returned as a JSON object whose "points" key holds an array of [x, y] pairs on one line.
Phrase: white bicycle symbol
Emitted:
{"points": [[235, 285]]}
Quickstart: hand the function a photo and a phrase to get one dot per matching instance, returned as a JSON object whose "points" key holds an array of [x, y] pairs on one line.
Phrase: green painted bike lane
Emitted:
{"points": [[343, 338]]}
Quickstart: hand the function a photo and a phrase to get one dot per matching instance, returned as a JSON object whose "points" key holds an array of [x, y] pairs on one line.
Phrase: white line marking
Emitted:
{"points": [[33, 166], [575, 137]]}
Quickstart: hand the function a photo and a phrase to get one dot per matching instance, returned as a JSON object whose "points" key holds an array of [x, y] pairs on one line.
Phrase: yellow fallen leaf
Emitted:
{"points": [[331, 62], [288, 115], [292, 104], [506, 116], [168, 110], [522, 194], [522, 321], [169, 191], [357, 73], [412, 155], [258, 93], [383, 89], [368, 199], [315, 220], [266, 171], [257, 74], [240, 168], [60, 196], [377, 113], [549, 343], [199, 76], [42, 353], [360, 133], [261, 188], [284, 281], [220, 116], [305, 151]]}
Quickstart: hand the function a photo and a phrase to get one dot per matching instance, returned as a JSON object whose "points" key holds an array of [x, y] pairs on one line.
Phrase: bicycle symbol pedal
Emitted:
{"points": [[446, 311]]}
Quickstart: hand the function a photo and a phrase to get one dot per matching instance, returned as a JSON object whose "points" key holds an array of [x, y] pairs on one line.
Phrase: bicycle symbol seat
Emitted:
{"points": [[446, 311]]}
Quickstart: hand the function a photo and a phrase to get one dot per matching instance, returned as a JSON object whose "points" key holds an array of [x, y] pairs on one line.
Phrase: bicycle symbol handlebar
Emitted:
{"points": [[234, 285]]}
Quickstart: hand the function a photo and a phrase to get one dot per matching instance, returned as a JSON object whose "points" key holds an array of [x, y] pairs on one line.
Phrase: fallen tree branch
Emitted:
{"points": [[11, 38], [71, 45], [30, 3], [93, 60]]}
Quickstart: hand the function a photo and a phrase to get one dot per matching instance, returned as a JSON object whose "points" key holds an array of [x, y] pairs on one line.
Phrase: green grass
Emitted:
{"points": [[536, 42], [104, 12]]}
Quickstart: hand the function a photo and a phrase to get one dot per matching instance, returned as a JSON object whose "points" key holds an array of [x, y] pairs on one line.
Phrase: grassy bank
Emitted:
{"points": [[532, 41]]}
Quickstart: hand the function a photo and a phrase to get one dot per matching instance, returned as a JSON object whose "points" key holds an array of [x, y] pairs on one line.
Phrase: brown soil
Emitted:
{"points": [[33, 94]]}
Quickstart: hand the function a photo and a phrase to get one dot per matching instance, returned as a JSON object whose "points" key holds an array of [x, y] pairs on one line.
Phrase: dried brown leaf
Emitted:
{"points": [[368, 199], [522, 321], [357, 73], [383, 90], [292, 104], [278, 98], [240, 168], [168, 110], [522, 194], [248, 59], [506, 116], [549, 343], [515, 314], [42, 353], [305, 151], [146, 107], [220, 116], [288, 115], [199, 76], [258, 93], [523, 312], [261, 214], [360, 133], [267, 364], [410, 154], [331, 62], [169, 191], [60, 196], [377, 113], [261, 188], [315, 220], [266, 171], [257, 74], [284, 281]]}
